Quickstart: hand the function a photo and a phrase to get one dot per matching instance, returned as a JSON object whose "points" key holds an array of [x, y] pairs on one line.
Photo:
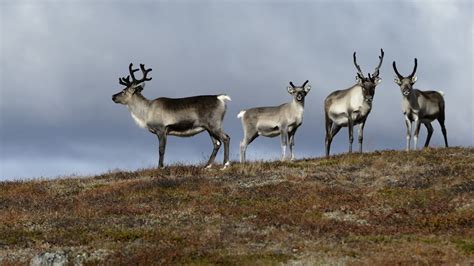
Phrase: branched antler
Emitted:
{"points": [[359, 71], [126, 80], [376, 71]]}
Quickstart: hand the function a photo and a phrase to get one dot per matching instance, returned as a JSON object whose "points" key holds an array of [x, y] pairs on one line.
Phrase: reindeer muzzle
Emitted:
{"points": [[114, 98], [299, 97]]}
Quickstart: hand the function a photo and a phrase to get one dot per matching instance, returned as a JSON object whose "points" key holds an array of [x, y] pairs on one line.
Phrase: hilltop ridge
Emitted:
{"points": [[380, 207]]}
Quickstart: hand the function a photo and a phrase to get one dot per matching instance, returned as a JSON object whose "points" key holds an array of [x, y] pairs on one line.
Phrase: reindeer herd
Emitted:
{"points": [[185, 117]]}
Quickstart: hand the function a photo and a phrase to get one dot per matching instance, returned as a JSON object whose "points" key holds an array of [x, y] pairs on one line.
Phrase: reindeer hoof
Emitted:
{"points": [[226, 165], [209, 166]]}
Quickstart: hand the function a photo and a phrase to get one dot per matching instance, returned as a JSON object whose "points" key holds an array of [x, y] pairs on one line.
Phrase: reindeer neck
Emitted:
{"points": [[139, 106]]}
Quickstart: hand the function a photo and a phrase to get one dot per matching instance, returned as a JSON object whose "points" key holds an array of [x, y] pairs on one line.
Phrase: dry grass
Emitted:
{"points": [[386, 207]]}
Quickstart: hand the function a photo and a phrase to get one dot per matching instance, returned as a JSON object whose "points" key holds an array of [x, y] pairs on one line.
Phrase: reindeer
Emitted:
{"points": [[420, 107], [349, 107], [281, 120], [182, 117]]}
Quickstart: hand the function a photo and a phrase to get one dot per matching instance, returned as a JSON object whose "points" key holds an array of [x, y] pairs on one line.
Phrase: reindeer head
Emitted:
{"points": [[299, 93], [405, 83], [368, 83], [131, 87]]}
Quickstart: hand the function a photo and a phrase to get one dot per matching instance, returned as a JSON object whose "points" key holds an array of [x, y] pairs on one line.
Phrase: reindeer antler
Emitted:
{"points": [[412, 73], [376, 71], [292, 85], [144, 71], [359, 71], [304, 84], [126, 80], [414, 69], [131, 70], [400, 77]]}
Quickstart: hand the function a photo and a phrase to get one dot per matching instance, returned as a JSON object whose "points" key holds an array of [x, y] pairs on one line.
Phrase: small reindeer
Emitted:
{"points": [[420, 107], [349, 107], [183, 117], [281, 120]]}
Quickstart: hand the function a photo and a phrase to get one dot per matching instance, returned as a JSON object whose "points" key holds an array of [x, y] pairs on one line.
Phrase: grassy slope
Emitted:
{"points": [[390, 206]]}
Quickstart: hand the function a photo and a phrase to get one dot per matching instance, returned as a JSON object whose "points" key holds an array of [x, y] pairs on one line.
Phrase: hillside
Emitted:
{"points": [[389, 206]]}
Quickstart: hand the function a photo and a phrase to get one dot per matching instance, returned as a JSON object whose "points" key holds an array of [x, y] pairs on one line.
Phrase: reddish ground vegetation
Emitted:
{"points": [[387, 207]]}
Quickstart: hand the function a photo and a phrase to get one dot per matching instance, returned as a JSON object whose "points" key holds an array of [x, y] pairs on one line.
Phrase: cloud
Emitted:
{"points": [[60, 62]]}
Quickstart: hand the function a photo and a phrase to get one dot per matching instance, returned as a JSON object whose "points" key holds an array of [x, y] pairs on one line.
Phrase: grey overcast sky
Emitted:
{"points": [[60, 62]]}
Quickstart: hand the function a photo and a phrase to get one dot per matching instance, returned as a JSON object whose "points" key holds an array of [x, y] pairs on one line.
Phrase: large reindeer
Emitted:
{"points": [[349, 107], [420, 107], [181, 117], [272, 121]]}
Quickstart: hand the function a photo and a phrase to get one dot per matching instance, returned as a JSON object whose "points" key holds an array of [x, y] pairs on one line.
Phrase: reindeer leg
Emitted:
{"points": [[248, 138], [443, 129], [221, 136], [417, 131], [430, 132], [334, 130], [291, 136], [284, 142], [243, 149], [361, 135], [217, 144], [350, 126], [226, 150], [162, 140], [328, 139], [408, 124]]}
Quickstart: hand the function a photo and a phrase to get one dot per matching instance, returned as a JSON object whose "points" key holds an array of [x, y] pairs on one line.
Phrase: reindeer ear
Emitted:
{"points": [[307, 88], [413, 79], [397, 80], [359, 80], [377, 80], [290, 89]]}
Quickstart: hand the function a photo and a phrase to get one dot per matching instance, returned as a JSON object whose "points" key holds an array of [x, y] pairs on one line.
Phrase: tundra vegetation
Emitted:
{"points": [[384, 207]]}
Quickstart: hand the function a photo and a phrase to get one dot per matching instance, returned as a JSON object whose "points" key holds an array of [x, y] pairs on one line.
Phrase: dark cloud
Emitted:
{"points": [[60, 63]]}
